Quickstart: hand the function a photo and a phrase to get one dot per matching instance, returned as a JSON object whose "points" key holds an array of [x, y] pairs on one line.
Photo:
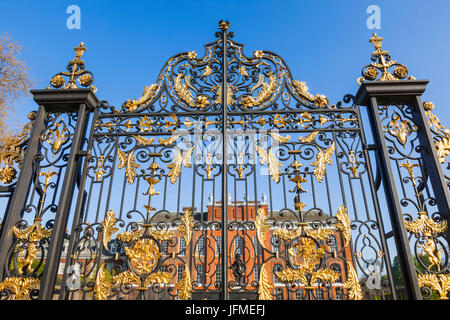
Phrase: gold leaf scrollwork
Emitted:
{"points": [[186, 227], [322, 159], [262, 227], [147, 95], [20, 287], [266, 92], [272, 161], [352, 284], [102, 285], [184, 286], [344, 224], [179, 160], [264, 287], [183, 92], [438, 282], [130, 163], [12, 151], [302, 91], [441, 134]]}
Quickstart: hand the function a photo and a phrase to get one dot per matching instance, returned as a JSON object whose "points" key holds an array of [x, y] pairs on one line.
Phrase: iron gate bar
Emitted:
{"points": [[79, 209], [224, 37], [376, 204]]}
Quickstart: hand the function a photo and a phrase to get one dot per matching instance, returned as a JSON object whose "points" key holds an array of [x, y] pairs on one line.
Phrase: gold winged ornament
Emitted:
{"points": [[323, 158], [273, 163], [175, 165]]}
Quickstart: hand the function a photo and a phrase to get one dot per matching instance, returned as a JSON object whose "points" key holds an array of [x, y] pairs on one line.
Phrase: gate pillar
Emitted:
{"points": [[402, 134], [46, 184], [81, 102]]}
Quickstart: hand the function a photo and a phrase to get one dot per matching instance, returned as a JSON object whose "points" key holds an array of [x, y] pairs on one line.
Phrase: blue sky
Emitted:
{"points": [[325, 43]]}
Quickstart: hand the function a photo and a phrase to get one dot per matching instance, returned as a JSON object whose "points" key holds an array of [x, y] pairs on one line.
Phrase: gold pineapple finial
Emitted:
{"points": [[382, 62], [76, 72]]}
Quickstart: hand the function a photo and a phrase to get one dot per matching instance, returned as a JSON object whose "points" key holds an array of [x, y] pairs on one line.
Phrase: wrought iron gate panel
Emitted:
{"points": [[226, 179]]}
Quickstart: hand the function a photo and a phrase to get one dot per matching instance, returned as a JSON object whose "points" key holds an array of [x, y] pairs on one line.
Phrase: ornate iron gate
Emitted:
{"points": [[228, 179]]}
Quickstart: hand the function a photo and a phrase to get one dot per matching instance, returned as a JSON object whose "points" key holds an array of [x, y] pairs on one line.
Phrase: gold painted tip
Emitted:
{"points": [[224, 25]]}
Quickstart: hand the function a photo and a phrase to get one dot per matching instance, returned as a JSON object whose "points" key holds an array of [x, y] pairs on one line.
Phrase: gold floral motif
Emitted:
{"points": [[278, 138], [102, 286], [57, 81], [12, 151], [302, 91], [438, 282], [428, 229], [151, 189], [179, 160], [147, 95], [441, 134], [322, 159], [7, 174], [57, 137], [353, 164], [184, 286], [305, 256], [279, 121], [410, 168], [309, 138], [100, 172], [264, 287], [262, 227], [109, 228], [266, 92], [401, 129], [20, 287], [182, 90], [207, 71], [352, 284], [130, 163], [344, 224], [273, 163], [186, 227]]}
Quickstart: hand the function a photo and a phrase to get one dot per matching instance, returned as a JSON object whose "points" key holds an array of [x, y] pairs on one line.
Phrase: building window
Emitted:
{"points": [[340, 295], [299, 294], [218, 273], [279, 294], [319, 294], [257, 246], [180, 270], [201, 245], [333, 244], [200, 273], [276, 244], [165, 247], [219, 245], [337, 268], [238, 245], [182, 246], [277, 268]]}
